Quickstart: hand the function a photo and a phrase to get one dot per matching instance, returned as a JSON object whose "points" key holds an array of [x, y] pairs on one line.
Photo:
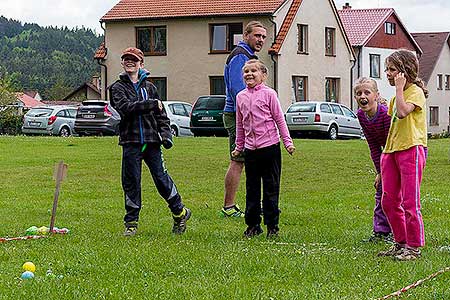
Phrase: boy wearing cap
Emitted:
{"points": [[144, 126]]}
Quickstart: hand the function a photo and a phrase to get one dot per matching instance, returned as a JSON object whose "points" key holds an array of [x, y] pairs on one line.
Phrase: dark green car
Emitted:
{"points": [[206, 116]]}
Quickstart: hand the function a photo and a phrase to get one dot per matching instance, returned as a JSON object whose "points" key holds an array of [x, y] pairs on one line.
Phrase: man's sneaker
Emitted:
{"points": [[130, 229], [394, 250], [272, 232], [179, 221], [233, 211], [252, 231], [377, 237], [408, 254]]}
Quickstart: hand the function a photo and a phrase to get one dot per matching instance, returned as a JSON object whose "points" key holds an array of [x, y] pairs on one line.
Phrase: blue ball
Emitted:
{"points": [[27, 275]]}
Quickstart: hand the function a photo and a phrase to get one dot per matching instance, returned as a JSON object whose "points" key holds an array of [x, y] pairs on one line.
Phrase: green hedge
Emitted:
{"points": [[10, 123]]}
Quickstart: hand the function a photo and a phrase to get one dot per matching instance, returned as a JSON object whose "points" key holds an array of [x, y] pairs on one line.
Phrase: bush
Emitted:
{"points": [[10, 122]]}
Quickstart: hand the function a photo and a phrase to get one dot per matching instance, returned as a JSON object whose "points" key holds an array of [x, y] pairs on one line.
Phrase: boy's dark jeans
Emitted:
{"points": [[263, 164], [131, 179]]}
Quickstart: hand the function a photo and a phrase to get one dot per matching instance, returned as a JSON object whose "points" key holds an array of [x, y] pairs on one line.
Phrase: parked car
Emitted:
{"points": [[51, 120], [96, 117], [206, 116], [333, 119], [178, 113]]}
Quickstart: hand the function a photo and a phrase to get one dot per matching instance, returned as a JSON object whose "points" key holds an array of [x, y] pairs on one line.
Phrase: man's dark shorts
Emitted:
{"points": [[229, 121]]}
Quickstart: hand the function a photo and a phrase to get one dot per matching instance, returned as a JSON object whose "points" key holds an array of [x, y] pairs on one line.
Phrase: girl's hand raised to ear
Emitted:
{"points": [[400, 80]]}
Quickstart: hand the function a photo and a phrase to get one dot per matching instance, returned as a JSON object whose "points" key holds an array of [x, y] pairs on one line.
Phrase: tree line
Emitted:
{"points": [[51, 60]]}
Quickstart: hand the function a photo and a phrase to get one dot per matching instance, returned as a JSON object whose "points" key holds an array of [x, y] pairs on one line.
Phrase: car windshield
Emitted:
{"points": [[40, 112], [210, 103], [304, 107]]}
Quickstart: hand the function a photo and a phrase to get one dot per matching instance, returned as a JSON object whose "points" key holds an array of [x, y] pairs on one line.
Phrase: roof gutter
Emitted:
{"points": [[272, 56]]}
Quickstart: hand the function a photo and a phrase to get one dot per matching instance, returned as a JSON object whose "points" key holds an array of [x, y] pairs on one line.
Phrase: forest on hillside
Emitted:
{"points": [[51, 60]]}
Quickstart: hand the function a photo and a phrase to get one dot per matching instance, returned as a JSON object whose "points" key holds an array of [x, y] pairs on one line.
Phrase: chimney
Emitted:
{"points": [[96, 82], [347, 6]]}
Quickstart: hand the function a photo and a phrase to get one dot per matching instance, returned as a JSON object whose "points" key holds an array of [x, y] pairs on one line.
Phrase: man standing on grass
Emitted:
{"points": [[254, 37], [144, 126]]}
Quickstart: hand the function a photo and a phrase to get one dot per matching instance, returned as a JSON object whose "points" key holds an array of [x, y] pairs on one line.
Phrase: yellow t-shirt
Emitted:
{"points": [[411, 130]]}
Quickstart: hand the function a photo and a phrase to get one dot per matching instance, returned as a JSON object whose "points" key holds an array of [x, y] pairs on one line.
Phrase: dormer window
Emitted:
{"points": [[389, 28]]}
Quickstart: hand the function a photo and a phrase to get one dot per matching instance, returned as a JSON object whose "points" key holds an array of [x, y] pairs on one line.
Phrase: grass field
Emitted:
{"points": [[326, 202]]}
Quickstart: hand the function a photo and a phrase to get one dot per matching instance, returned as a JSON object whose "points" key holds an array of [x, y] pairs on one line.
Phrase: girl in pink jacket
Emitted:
{"points": [[259, 123]]}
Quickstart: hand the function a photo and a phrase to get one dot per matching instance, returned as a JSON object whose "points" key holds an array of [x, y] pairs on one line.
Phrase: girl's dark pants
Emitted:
{"points": [[263, 165], [131, 179]]}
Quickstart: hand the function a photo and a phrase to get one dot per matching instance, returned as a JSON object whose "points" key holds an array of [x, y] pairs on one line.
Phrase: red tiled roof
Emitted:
{"points": [[361, 24], [100, 53], [431, 44], [27, 100], [287, 22], [157, 9]]}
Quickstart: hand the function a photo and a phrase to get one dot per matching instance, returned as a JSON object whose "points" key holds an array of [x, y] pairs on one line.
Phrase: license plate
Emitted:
{"points": [[207, 119], [31, 123], [89, 116], [300, 119]]}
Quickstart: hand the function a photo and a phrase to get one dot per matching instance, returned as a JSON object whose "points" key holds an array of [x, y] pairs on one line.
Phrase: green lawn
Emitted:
{"points": [[326, 202]]}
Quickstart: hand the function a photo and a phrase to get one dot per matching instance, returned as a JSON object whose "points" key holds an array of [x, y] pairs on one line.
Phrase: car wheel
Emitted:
{"points": [[333, 132], [65, 132], [173, 131]]}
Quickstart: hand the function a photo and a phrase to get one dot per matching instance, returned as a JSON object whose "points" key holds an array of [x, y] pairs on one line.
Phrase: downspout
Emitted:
{"points": [[351, 77], [272, 56], [102, 64]]}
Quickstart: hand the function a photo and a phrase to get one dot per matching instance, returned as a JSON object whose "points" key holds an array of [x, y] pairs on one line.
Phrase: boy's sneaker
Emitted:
{"points": [[408, 254], [179, 221], [252, 231], [233, 211], [377, 237], [130, 229], [394, 250], [272, 232]]}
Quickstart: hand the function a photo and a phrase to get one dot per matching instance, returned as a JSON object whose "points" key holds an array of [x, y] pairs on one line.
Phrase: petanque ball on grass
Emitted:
{"points": [[33, 230], [27, 275], [29, 266], [43, 230]]}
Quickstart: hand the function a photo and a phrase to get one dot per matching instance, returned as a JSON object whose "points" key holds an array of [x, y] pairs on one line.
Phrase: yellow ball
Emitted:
{"points": [[29, 266]]}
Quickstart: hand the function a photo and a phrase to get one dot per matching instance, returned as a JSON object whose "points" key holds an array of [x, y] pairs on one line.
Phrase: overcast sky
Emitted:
{"points": [[416, 15]]}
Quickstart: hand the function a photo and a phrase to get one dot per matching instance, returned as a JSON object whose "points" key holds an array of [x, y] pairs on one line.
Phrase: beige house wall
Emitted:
{"points": [[315, 65], [439, 98], [188, 63]]}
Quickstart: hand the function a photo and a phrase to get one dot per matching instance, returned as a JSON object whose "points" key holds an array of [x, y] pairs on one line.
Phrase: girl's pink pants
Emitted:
{"points": [[401, 175]]}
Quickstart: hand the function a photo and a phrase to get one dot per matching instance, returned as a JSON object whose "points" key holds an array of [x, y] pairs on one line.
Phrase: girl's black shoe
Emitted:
{"points": [[252, 231]]}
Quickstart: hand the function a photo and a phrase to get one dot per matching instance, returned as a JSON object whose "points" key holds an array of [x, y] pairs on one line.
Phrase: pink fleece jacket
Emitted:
{"points": [[259, 119]]}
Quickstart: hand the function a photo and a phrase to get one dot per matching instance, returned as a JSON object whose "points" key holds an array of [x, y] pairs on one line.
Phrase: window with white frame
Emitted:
{"points": [[389, 28], [330, 41], [439, 81], [300, 84], [302, 39], [332, 89], [434, 115], [374, 65]]}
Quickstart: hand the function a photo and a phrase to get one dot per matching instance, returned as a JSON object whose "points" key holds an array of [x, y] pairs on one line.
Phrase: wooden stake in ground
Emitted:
{"points": [[59, 174]]}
